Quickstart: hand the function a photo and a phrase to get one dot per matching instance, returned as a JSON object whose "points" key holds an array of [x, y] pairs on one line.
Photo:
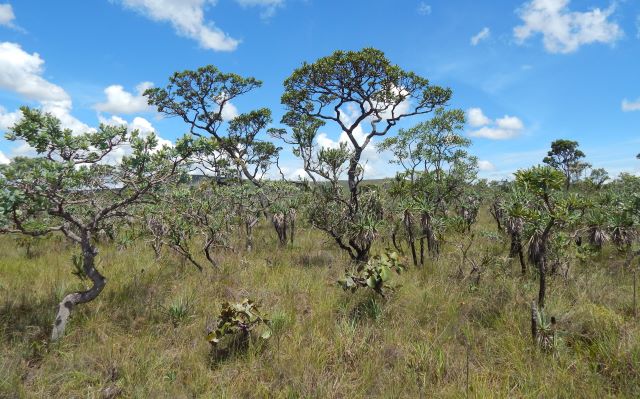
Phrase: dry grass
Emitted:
{"points": [[328, 343]]}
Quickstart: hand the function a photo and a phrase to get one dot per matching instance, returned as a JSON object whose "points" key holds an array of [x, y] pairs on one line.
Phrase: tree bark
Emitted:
{"points": [[543, 282], [89, 252]]}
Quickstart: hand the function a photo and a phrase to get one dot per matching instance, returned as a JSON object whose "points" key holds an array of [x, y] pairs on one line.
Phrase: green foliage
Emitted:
{"points": [[437, 172], [565, 156], [199, 98], [78, 270], [375, 274], [238, 319], [547, 337], [179, 310], [348, 89]]}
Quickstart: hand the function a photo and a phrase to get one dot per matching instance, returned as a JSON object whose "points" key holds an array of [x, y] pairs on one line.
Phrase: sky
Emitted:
{"points": [[526, 72]]}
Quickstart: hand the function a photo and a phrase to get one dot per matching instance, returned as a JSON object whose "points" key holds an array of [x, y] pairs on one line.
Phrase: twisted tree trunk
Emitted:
{"points": [[89, 252]]}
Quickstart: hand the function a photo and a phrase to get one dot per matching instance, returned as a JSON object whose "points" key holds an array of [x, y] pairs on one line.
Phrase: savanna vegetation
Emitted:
{"points": [[185, 271]]}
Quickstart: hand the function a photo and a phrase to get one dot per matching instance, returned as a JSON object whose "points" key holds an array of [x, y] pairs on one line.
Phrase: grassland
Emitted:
{"points": [[439, 335]]}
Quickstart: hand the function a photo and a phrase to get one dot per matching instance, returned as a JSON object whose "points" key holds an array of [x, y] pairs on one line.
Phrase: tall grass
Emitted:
{"points": [[145, 335]]}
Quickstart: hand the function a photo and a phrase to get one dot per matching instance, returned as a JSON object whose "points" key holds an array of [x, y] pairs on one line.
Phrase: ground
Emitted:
{"points": [[438, 335]]}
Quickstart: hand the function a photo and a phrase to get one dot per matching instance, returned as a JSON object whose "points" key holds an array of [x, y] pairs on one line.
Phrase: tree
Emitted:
{"points": [[598, 177], [437, 168], [70, 188], [192, 219], [350, 90], [565, 156], [546, 211], [201, 98]]}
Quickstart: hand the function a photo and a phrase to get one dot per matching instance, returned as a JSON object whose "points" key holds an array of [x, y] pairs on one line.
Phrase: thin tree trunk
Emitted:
{"points": [[412, 244], [394, 240], [523, 264], [543, 282]]}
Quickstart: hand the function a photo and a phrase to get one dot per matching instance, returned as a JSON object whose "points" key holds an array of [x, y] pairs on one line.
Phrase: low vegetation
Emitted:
{"points": [[183, 272]]}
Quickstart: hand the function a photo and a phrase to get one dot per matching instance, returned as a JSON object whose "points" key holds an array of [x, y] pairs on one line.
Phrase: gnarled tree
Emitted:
{"points": [[70, 188], [351, 90]]}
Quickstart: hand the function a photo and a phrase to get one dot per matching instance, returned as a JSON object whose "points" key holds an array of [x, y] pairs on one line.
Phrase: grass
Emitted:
{"points": [[145, 334]]}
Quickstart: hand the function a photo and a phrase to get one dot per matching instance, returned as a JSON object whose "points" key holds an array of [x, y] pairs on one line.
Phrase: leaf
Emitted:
{"points": [[385, 273]]}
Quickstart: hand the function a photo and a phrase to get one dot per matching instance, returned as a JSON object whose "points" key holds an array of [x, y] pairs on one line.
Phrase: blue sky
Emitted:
{"points": [[526, 71]]}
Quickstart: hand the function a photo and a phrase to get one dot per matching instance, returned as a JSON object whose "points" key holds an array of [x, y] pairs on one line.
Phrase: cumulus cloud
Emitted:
{"points": [[8, 119], [376, 165], [503, 128], [187, 19], [21, 73], [563, 30], [143, 126], [628, 106], [3, 159], [480, 36], [424, 8], [120, 101], [6, 15], [476, 118], [229, 111], [486, 166]]}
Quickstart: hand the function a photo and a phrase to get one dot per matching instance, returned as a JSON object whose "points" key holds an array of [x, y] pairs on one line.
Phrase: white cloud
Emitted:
{"points": [[424, 8], [376, 165], [187, 18], [138, 123], [6, 15], [503, 128], [297, 174], [480, 36], [510, 123], [143, 126], [8, 119], [476, 118], [269, 6], [21, 73], [229, 111], [563, 30], [4, 159], [628, 106], [486, 166], [120, 101]]}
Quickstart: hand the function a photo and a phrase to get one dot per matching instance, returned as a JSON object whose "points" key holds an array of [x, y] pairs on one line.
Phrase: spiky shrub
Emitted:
{"points": [[543, 329], [237, 320], [374, 275], [436, 171], [548, 210], [179, 310]]}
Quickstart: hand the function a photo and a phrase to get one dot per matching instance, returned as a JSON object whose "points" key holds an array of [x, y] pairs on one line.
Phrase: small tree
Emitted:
{"points": [[201, 98], [437, 168], [192, 219], [351, 90], [565, 156], [547, 210], [71, 189], [598, 177]]}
